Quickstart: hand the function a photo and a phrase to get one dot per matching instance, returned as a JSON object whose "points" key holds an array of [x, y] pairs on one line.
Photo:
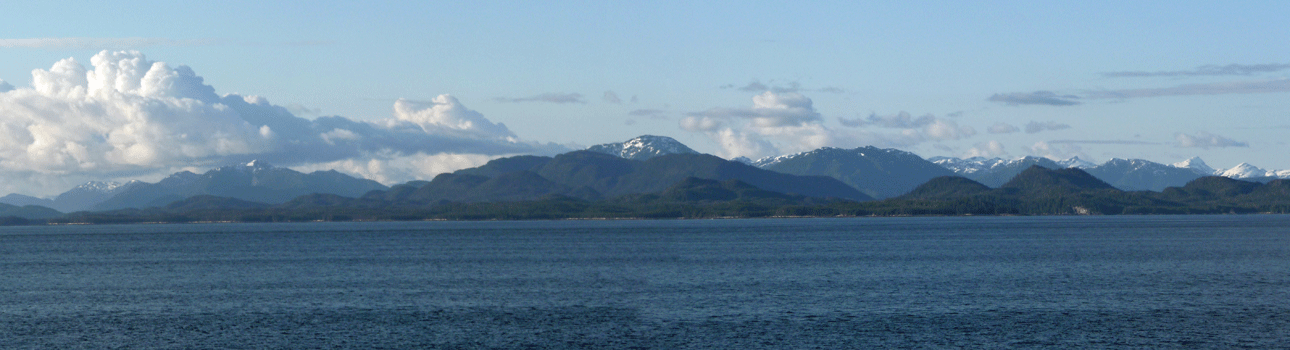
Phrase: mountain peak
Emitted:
{"points": [[1244, 170], [1038, 179], [1196, 165], [1075, 162], [643, 147], [100, 186]]}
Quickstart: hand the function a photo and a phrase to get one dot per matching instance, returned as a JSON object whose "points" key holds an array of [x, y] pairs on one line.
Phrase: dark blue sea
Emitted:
{"points": [[1129, 282]]}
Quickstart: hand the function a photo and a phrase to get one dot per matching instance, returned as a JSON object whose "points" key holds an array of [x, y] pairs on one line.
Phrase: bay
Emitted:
{"points": [[941, 282]]}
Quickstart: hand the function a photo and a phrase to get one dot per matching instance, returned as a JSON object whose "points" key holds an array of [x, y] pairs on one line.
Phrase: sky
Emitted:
{"points": [[396, 91]]}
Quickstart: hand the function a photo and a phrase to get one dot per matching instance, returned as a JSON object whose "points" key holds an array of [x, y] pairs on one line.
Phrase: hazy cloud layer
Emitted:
{"points": [[780, 88], [1234, 87], [1102, 142], [1002, 128], [127, 115], [988, 149], [1207, 140], [899, 120], [1208, 70], [780, 123], [5, 86], [611, 97], [1047, 98], [770, 110], [926, 127], [548, 98], [399, 169], [646, 112], [789, 118], [1057, 151], [101, 43], [1034, 126]]}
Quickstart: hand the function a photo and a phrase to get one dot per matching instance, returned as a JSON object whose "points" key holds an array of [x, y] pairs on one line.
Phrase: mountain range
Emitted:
{"points": [[879, 173], [255, 181], [643, 166], [590, 175], [1034, 191]]}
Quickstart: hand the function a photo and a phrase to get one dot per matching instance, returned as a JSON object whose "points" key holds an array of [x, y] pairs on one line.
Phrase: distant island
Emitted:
{"points": [[654, 177]]}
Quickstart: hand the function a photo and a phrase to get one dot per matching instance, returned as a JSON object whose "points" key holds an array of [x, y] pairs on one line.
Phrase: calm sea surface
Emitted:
{"points": [[979, 282]]}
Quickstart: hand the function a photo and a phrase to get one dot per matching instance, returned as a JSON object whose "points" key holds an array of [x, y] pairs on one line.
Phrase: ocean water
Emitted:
{"points": [[1129, 282]]}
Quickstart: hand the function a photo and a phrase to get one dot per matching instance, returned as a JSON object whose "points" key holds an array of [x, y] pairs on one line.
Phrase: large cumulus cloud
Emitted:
{"points": [[127, 115]]}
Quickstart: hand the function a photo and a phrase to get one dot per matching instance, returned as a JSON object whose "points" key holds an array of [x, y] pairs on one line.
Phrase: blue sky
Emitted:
{"points": [[1162, 81]]}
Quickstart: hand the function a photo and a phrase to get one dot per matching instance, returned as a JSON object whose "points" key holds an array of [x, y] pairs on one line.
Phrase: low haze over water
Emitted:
{"points": [[1025, 282]]}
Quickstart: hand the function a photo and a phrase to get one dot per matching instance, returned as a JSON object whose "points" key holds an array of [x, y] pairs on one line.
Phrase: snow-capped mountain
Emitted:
{"points": [[993, 172], [643, 147], [1143, 175], [1248, 171], [255, 181], [1196, 165], [1075, 162], [879, 173], [1125, 174], [90, 194]]}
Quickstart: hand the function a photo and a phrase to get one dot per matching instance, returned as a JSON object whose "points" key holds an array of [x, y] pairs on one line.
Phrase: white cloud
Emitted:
{"points": [[925, 128], [445, 115], [770, 110], [706, 124], [789, 119], [1058, 151], [393, 170], [780, 123], [989, 149], [1206, 140], [126, 113], [127, 116], [943, 129], [902, 120]]}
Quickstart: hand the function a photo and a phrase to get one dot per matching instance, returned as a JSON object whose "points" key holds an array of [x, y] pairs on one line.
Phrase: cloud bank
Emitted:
{"points": [[1223, 88], [788, 87], [560, 98], [779, 123], [1047, 98], [1208, 70], [125, 115], [1207, 140], [1034, 126], [1002, 128], [988, 149]]}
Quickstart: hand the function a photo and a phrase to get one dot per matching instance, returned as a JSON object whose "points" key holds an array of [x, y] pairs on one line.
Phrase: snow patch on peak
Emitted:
{"points": [[1196, 165], [254, 165], [984, 165], [1245, 170], [866, 151], [643, 147], [101, 186], [1075, 162]]}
